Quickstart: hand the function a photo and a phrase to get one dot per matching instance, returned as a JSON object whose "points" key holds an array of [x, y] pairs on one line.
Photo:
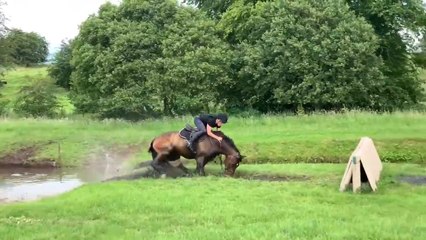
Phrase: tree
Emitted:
{"points": [[216, 8], [2, 20], [5, 58], [193, 65], [145, 58], [397, 23], [61, 68], [317, 55], [212, 8], [27, 48]]}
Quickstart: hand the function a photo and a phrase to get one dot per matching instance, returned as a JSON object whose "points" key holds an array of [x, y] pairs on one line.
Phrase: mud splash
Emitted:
{"points": [[18, 182]]}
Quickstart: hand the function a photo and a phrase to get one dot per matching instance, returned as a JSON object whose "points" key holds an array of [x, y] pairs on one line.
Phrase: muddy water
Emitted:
{"points": [[26, 184]]}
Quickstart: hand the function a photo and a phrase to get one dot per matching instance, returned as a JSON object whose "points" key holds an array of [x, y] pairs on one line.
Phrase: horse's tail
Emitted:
{"points": [[152, 150]]}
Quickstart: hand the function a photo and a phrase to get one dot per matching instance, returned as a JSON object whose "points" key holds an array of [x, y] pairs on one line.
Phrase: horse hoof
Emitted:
{"points": [[163, 176]]}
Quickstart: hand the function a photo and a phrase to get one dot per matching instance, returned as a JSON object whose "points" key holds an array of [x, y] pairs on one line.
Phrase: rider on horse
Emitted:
{"points": [[205, 123]]}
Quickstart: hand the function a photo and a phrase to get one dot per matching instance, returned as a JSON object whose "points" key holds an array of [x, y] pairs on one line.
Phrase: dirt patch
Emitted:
{"points": [[274, 178], [173, 172], [416, 180], [25, 157], [149, 172]]}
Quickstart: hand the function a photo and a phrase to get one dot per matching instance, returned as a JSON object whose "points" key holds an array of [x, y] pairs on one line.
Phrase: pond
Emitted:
{"points": [[25, 184]]}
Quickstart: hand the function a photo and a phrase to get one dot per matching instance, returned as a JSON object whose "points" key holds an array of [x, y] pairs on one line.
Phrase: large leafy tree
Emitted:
{"points": [[215, 8], [147, 57], [5, 59], [212, 8], [194, 61], [397, 23], [318, 55], [27, 48]]}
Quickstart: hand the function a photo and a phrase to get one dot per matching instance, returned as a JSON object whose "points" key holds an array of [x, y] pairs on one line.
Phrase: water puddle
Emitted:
{"points": [[26, 184]]}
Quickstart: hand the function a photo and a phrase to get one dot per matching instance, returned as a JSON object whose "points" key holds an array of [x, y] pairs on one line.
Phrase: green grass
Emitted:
{"points": [[224, 208], [399, 137], [227, 208]]}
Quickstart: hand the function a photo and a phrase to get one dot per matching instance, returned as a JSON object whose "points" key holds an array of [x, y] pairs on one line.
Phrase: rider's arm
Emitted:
{"points": [[209, 132]]}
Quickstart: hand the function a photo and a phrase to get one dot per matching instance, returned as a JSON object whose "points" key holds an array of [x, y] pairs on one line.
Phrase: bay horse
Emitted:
{"points": [[171, 146]]}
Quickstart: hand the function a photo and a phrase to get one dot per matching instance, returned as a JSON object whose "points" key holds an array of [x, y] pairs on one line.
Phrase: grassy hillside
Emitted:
{"points": [[222, 208], [20, 77]]}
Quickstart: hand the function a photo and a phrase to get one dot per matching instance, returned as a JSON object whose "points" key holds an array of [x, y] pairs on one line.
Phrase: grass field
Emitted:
{"points": [[399, 137], [223, 208], [212, 207]]}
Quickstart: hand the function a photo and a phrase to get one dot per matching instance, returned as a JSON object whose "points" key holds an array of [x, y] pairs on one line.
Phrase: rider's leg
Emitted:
{"points": [[201, 130]]}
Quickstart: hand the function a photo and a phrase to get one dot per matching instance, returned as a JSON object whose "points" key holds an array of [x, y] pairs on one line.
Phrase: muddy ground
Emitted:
{"points": [[416, 180], [109, 163], [148, 172], [25, 157]]}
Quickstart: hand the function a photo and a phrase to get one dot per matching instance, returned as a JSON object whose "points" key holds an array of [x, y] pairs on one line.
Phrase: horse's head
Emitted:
{"points": [[233, 156], [231, 163]]}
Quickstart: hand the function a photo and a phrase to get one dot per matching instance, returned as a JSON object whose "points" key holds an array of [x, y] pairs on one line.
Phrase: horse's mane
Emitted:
{"points": [[226, 139]]}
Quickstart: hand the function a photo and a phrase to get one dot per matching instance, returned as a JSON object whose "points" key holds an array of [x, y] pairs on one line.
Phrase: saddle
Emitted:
{"points": [[187, 132]]}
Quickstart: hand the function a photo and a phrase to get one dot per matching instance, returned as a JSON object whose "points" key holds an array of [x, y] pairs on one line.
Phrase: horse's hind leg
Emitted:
{"points": [[158, 164]]}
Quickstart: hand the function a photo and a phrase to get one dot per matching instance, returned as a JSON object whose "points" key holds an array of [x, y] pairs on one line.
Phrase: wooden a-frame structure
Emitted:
{"points": [[364, 165]]}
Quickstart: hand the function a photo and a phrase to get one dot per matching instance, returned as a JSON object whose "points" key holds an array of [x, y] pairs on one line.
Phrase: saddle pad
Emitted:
{"points": [[185, 134]]}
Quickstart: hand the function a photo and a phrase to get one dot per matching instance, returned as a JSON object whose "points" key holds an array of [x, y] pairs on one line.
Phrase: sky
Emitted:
{"points": [[56, 20]]}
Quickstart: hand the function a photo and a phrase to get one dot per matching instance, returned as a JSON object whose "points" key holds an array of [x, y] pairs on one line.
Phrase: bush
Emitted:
{"points": [[36, 100], [3, 106]]}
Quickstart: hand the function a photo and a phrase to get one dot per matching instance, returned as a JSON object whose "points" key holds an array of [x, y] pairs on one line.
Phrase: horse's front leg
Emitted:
{"points": [[200, 166], [184, 169]]}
